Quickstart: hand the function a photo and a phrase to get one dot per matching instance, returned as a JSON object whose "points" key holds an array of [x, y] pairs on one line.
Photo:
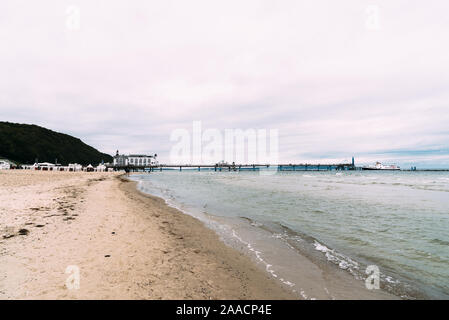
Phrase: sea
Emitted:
{"points": [[397, 221]]}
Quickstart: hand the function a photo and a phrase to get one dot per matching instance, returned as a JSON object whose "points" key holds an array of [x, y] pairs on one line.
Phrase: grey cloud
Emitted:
{"points": [[133, 73]]}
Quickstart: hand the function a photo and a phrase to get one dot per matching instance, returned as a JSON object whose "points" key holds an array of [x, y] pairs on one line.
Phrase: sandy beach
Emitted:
{"points": [[127, 245]]}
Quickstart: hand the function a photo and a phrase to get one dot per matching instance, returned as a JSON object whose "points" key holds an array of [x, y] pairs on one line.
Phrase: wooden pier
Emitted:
{"points": [[239, 167]]}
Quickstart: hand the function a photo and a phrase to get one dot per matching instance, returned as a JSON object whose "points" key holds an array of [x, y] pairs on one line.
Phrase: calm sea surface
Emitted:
{"points": [[398, 221]]}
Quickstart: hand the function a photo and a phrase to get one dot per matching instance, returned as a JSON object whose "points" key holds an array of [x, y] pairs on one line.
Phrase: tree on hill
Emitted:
{"points": [[24, 143]]}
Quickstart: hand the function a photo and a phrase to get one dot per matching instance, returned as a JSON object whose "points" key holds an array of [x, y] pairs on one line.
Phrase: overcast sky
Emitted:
{"points": [[336, 78]]}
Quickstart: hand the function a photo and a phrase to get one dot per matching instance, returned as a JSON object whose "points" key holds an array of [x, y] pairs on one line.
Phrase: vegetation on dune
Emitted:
{"points": [[24, 143]]}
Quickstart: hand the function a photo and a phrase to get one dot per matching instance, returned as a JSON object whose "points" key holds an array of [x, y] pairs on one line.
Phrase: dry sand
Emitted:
{"points": [[126, 245]]}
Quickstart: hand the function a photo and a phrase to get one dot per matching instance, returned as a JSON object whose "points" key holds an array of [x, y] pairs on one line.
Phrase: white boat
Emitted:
{"points": [[380, 166]]}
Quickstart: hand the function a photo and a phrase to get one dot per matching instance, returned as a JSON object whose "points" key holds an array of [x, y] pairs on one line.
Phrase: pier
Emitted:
{"points": [[237, 167]]}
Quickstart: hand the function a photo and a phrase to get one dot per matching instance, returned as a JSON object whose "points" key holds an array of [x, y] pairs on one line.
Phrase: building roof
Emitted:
{"points": [[7, 161], [133, 155], [46, 164]]}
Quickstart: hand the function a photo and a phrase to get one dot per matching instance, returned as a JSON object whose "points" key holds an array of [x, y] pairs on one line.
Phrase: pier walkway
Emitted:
{"points": [[239, 167]]}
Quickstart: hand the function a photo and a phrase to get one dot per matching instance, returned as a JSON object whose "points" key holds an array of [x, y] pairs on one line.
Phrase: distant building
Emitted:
{"points": [[5, 164], [29, 166], [134, 160], [46, 166], [73, 167], [101, 168]]}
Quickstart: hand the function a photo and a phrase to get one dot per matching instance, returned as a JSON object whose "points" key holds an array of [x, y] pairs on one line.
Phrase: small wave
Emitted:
{"points": [[268, 266], [342, 261], [441, 242], [252, 222], [353, 240]]}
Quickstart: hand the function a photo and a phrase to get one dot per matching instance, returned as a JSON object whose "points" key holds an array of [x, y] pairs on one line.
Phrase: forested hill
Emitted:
{"points": [[24, 143]]}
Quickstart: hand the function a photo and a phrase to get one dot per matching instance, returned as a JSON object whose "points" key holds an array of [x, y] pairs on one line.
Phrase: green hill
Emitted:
{"points": [[24, 143]]}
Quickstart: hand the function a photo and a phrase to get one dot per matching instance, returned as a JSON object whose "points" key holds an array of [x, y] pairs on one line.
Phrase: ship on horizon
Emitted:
{"points": [[380, 166]]}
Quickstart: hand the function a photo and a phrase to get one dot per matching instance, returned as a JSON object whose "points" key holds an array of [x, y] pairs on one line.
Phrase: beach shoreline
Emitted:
{"points": [[302, 271], [127, 244]]}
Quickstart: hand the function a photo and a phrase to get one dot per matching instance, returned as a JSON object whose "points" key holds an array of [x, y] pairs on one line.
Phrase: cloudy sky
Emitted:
{"points": [[335, 78]]}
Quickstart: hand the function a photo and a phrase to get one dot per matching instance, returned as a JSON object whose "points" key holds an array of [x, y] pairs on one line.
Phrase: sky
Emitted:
{"points": [[337, 79]]}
